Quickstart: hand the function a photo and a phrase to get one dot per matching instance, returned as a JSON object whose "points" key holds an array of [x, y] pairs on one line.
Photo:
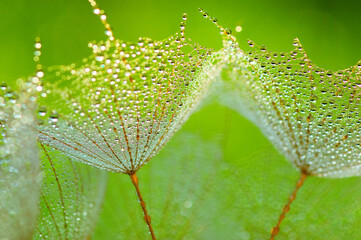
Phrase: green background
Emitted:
{"points": [[247, 181]]}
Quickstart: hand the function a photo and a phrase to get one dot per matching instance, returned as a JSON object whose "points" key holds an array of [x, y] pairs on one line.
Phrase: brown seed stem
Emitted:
{"points": [[276, 229], [147, 218]]}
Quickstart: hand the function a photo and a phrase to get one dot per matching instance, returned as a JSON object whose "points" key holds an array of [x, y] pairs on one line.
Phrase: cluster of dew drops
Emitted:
{"points": [[129, 98], [310, 114]]}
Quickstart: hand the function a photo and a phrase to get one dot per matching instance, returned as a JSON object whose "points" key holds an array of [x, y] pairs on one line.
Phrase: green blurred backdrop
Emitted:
{"points": [[250, 180]]}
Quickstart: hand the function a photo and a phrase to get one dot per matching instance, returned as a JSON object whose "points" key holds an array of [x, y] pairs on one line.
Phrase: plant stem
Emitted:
{"points": [[147, 219], [276, 229]]}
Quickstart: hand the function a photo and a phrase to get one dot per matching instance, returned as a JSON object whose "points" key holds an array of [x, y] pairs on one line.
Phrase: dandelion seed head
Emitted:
{"points": [[125, 101], [310, 114]]}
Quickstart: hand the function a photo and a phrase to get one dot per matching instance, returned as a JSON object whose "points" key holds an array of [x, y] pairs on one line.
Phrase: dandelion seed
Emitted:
{"points": [[120, 107], [311, 115], [19, 163], [70, 200]]}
